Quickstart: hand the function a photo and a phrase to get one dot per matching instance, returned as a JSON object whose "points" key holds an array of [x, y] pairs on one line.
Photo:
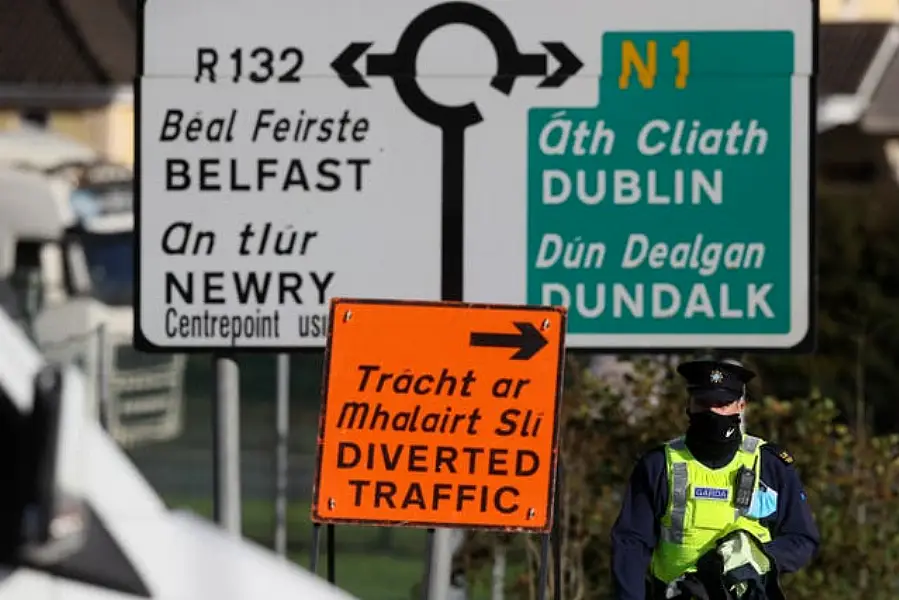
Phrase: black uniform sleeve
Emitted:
{"points": [[636, 531], [795, 537]]}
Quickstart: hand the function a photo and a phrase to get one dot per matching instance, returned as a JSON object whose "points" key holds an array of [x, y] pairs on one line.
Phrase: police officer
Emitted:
{"points": [[713, 507]]}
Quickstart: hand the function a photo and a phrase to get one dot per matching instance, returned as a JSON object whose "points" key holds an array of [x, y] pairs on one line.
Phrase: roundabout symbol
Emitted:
{"points": [[453, 120]]}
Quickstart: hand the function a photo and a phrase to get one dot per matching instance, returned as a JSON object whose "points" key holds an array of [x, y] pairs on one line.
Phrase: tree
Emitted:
{"points": [[858, 251]]}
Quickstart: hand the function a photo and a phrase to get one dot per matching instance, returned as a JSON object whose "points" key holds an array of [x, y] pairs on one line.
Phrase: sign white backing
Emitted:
{"points": [[645, 164], [258, 204]]}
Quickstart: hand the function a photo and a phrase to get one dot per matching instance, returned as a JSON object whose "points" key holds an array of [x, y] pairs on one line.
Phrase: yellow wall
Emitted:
{"points": [[86, 126], [109, 130], [120, 136], [9, 119], [834, 11]]}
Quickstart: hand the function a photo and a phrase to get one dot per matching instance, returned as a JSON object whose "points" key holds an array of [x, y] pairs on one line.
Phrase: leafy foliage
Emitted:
{"points": [[851, 485], [858, 283]]}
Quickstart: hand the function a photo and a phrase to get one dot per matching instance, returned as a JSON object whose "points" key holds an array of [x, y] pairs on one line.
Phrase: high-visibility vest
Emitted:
{"points": [[701, 507]]}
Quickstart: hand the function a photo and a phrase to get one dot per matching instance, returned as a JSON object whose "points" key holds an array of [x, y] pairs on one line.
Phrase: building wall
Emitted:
{"points": [[109, 129], [8, 119], [120, 132], [834, 11], [86, 126]]}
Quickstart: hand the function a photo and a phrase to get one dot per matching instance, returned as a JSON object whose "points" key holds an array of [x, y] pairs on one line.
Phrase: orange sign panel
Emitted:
{"points": [[440, 415]]}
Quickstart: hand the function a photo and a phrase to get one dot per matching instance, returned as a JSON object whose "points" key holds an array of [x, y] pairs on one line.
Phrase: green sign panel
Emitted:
{"points": [[676, 212]]}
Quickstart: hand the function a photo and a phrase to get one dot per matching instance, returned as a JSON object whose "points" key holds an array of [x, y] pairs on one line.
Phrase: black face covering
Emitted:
{"points": [[712, 438]]}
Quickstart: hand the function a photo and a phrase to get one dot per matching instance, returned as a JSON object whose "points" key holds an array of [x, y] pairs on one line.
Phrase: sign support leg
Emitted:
{"points": [[226, 451], [441, 560], [282, 428], [426, 576], [313, 552], [557, 534], [332, 557], [543, 573]]}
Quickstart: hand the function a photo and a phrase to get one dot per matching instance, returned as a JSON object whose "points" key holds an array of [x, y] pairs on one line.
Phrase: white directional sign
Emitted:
{"points": [[646, 164], [259, 203]]}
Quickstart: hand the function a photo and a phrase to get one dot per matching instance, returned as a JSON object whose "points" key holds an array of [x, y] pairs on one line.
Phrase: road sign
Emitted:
{"points": [[440, 414], [647, 165], [243, 242], [679, 215]]}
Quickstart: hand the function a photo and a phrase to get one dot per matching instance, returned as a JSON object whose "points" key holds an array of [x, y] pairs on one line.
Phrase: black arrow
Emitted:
{"points": [[345, 65], [569, 65], [529, 341], [522, 65]]}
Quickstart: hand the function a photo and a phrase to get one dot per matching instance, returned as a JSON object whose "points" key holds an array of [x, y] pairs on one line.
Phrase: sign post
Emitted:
{"points": [[226, 440], [440, 415], [282, 452]]}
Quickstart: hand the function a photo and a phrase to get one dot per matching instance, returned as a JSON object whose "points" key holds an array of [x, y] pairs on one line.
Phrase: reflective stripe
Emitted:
{"points": [[675, 533], [750, 443]]}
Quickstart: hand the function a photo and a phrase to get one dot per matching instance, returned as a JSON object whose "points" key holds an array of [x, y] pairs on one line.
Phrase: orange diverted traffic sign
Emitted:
{"points": [[440, 415]]}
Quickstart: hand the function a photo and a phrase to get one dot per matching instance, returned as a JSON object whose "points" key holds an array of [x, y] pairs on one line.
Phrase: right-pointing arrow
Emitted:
{"points": [[569, 65], [528, 341]]}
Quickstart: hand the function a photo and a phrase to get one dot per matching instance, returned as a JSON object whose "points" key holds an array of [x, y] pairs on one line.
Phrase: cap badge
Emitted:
{"points": [[716, 377]]}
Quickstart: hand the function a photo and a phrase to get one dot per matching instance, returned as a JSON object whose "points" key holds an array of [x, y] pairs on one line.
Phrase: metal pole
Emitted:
{"points": [[426, 576], [316, 547], [543, 572], [860, 387], [440, 573], [860, 434], [332, 553], [556, 536], [282, 428], [104, 407], [226, 451]]}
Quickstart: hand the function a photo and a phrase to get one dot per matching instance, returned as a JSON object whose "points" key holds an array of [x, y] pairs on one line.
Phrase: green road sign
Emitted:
{"points": [[676, 213]]}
